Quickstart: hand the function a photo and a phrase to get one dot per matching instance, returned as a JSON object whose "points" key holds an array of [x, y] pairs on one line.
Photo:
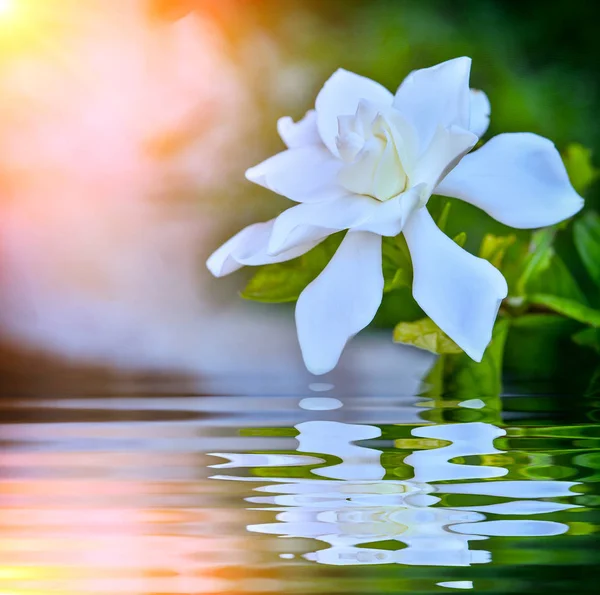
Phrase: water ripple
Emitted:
{"points": [[191, 494]]}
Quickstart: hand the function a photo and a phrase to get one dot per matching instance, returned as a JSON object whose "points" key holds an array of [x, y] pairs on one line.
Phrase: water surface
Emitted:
{"points": [[148, 489]]}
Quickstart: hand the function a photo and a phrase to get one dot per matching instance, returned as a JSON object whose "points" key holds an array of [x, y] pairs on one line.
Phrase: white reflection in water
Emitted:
{"points": [[320, 387], [353, 508], [320, 403]]}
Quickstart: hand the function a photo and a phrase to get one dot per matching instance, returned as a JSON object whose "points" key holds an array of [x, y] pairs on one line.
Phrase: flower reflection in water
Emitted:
{"points": [[352, 508]]}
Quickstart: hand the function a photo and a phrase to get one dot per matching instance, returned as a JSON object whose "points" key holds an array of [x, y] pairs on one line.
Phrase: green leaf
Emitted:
{"points": [[586, 235], [284, 282], [588, 337], [401, 244], [397, 268], [393, 254], [578, 161], [458, 376], [442, 223], [397, 305], [538, 258], [544, 272], [278, 283], [442, 220], [425, 334], [556, 279], [400, 278], [569, 308], [493, 248], [467, 378]]}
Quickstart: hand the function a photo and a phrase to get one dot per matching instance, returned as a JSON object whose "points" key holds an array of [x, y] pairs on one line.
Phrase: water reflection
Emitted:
{"points": [[362, 510], [119, 495]]}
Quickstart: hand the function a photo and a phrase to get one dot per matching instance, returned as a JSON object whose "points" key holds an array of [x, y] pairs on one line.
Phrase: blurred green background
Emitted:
{"points": [[536, 60]]}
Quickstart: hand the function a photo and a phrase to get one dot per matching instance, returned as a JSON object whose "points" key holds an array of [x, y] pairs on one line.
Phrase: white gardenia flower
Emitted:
{"points": [[367, 161]]}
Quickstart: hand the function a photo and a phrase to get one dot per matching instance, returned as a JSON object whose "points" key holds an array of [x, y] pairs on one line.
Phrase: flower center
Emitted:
{"points": [[375, 153]]}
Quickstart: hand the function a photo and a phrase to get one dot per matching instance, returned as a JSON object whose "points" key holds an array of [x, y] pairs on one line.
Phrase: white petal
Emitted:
{"points": [[458, 291], [480, 112], [405, 137], [304, 174], [313, 221], [390, 217], [340, 97], [341, 301], [377, 169], [519, 179], [436, 96], [301, 133], [446, 149], [249, 247]]}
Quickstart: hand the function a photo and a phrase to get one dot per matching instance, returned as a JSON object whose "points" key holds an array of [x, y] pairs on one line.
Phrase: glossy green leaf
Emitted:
{"points": [[569, 308], [279, 283], [425, 334], [284, 282]]}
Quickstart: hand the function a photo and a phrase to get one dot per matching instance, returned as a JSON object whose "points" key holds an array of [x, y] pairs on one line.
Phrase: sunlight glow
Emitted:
{"points": [[6, 7]]}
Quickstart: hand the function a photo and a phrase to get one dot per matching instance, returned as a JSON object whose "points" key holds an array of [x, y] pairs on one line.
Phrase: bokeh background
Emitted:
{"points": [[126, 126]]}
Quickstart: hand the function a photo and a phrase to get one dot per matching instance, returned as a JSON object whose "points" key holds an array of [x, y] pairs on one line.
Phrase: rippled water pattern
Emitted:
{"points": [[318, 493]]}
